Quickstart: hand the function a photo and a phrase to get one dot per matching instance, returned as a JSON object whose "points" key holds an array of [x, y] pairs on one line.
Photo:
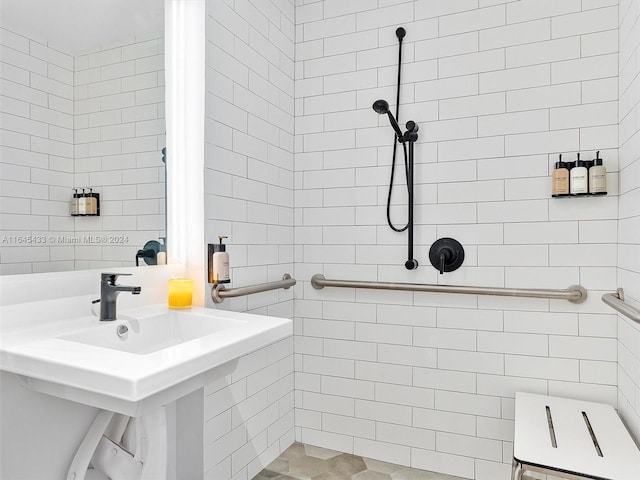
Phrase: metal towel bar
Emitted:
{"points": [[219, 292], [616, 301], [574, 294]]}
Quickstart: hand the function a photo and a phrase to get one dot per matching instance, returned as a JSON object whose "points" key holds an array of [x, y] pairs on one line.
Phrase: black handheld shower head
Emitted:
{"points": [[382, 107]]}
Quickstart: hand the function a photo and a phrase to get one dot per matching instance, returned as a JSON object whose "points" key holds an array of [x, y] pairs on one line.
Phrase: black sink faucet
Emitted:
{"points": [[109, 291]]}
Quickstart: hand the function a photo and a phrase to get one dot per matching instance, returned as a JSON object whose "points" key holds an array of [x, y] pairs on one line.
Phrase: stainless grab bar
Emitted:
{"points": [[574, 293], [219, 292], [616, 301]]}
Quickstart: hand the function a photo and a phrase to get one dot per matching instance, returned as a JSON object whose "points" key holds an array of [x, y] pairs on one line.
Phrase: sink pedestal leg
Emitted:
{"points": [[80, 463], [110, 460], [151, 429]]}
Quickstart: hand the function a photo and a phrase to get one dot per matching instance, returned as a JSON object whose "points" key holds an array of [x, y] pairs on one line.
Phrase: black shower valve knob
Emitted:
{"points": [[446, 255]]}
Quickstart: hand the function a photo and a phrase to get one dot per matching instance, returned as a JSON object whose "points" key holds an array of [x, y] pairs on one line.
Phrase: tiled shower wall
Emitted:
{"points": [[94, 120], [629, 213], [249, 198], [36, 156], [119, 134], [499, 89]]}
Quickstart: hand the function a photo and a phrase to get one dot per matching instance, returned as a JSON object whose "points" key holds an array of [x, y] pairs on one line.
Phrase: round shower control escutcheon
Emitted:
{"points": [[446, 254]]}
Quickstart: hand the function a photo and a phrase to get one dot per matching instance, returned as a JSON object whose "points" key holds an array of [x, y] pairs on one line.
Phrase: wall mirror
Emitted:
{"points": [[82, 104]]}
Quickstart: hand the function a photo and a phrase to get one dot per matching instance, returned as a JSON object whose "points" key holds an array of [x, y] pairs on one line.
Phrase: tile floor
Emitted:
{"points": [[305, 462]]}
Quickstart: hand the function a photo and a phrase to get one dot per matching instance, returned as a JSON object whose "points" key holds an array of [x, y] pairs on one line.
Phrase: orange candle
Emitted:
{"points": [[180, 292]]}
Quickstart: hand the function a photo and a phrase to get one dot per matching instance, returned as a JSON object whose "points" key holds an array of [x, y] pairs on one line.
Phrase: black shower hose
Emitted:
{"points": [[395, 148]]}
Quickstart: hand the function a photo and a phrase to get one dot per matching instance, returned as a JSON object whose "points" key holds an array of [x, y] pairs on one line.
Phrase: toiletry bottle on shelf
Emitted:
{"points": [[579, 178], [560, 179], [82, 203], [73, 204], [598, 177], [161, 257], [91, 203], [218, 262]]}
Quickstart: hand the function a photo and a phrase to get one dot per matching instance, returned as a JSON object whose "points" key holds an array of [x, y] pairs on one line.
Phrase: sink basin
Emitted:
{"points": [[151, 333], [148, 351]]}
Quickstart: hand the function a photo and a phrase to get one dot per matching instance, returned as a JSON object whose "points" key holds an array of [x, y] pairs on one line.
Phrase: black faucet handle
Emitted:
{"points": [[446, 254], [111, 278]]}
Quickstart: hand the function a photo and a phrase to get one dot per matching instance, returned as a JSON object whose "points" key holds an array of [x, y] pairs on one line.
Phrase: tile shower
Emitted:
{"points": [[297, 170], [422, 379], [498, 88]]}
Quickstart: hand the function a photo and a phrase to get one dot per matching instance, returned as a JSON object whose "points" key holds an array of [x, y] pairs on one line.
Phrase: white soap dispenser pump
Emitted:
{"points": [[219, 262]]}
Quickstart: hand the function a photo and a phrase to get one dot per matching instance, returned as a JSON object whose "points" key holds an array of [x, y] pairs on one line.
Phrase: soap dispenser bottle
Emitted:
{"points": [[161, 256], [91, 203], [73, 204], [598, 177], [218, 262], [560, 179], [579, 178], [82, 203]]}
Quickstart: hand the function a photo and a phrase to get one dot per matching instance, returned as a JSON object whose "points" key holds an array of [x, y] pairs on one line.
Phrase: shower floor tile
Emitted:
{"points": [[306, 462]]}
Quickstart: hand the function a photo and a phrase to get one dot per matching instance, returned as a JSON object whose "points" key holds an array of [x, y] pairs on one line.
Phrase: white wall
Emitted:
{"points": [[249, 413], [499, 88], [37, 155], [249, 144], [249, 197], [119, 134], [40, 434], [96, 120], [629, 214], [256, 161]]}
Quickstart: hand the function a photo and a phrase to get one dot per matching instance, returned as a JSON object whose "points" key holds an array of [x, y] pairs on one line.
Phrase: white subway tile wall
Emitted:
{"points": [[629, 214], [499, 88], [94, 120], [249, 412], [249, 150], [119, 134], [36, 139], [249, 189]]}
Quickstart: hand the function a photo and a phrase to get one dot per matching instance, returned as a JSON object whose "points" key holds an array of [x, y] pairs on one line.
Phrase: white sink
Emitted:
{"points": [[153, 332], [85, 360]]}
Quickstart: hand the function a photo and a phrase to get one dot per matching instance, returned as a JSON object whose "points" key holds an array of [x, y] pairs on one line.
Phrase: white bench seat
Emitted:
{"points": [[552, 436]]}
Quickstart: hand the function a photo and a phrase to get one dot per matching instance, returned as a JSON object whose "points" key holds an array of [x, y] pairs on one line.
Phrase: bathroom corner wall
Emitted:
{"points": [[499, 89], [37, 154], [248, 412], [119, 130], [249, 143], [629, 213]]}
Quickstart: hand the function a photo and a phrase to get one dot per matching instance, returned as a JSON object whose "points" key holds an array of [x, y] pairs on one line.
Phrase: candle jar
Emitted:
{"points": [[180, 292]]}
